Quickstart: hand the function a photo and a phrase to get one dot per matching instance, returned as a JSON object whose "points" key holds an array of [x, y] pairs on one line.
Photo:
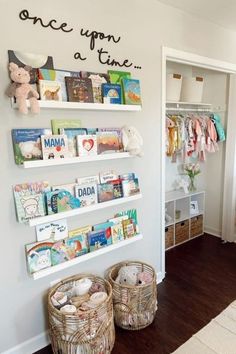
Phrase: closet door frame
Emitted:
{"points": [[170, 54]]}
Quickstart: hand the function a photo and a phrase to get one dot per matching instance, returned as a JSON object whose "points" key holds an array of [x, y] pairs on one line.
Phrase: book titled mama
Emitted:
{"points": [[54, 146]]}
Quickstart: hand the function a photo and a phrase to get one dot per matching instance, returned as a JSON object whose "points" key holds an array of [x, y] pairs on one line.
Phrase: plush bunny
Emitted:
{"points": [[144, 278], [132, 140], [127, 275], [21, 89]]}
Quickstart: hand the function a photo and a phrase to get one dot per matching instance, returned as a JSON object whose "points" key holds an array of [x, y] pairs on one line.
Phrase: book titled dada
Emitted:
{"points": [[87, 194], [54, 146]]}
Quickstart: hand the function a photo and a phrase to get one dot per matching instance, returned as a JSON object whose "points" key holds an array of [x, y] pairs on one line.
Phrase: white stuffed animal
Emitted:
{"points": [[132, 140], [127, 275]]}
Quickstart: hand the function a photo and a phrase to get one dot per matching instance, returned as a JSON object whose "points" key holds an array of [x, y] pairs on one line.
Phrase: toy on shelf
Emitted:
{"points": [[132, 140], [22, 90]]}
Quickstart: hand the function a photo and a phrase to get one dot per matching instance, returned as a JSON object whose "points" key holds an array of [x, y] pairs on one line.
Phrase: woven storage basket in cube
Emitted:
{"points": [[91, 332], [134, 306]]}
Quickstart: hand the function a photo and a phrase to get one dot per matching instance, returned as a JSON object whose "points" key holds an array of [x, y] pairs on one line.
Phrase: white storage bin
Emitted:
{"points": [[173, 87], [192, 89]]}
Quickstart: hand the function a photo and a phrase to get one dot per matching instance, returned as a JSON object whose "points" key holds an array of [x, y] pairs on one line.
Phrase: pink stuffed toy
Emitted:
{"points": [[144, 278], [22, 90]]}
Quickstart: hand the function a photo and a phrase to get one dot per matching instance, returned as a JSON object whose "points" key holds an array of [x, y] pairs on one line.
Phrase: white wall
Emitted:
{"points": [[144, 28]]}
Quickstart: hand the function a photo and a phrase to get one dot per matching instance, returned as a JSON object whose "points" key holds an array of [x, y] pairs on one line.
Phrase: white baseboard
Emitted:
{"points": [[30, 346], [160, 277], [212, 231]]}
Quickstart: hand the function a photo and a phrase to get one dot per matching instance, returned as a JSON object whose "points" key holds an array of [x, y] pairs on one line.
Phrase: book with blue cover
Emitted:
{"points": [[38, 256], [96, 240], [27, 144], [132, 92], [111, 93], [107, 227]]}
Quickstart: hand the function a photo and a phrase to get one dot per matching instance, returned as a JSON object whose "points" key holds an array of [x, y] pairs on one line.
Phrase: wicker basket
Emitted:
{"points": [[134, 306], [90, 332]]}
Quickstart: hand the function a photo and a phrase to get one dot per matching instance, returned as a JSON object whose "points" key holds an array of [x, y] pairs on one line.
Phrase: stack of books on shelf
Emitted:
{"points": [[57, 245], [38, 199], [65, 139]]}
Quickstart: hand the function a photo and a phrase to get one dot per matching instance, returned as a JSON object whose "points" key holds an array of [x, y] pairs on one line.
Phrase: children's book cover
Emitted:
{"points": [[54, 146], [88, 179], [117, 76], [96, 240], [57, 75], [58, 124], [87, 145], [51, 202], [38, 256], [128, 228], [87, 194], [105, 192], [60, 201], [117, 232], [27, 144], [130, 187], [108, 176], [127, 176], [61, 252], [107, 142], [117, 188], [50, 90], [111, 93], [97, 80], [79, 90], [117, 131], [118, 219], [71, 134], [107, 227], [56, 230], [70, 187], [29, 200], [131, 214], [132, 92], [81, 230], [78, 241]]}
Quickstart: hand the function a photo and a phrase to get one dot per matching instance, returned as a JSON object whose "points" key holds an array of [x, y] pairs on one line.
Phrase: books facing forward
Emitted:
{"points": [[113, 87], [57, 245], [33, 200], [65, 139]]}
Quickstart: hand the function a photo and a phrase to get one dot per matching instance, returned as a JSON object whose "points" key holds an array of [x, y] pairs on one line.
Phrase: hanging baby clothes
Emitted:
{"points": [[219, 127]]}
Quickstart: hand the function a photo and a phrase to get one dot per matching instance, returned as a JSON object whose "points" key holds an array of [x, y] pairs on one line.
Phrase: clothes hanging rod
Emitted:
{"points": [[188, 109]]}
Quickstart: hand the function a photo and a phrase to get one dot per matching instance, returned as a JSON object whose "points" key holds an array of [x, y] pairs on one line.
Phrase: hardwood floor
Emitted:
{"points": [[200, 282]]}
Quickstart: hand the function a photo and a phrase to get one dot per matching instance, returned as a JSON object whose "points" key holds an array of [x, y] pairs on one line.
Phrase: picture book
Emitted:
{"points": [[27, 144], [81, 230], [55, 231], [58, 124], [59, 201], [117, 131], [105, 192], [87, 145], [117, 76], [96, 240], [29, 200], [79, 241], [111, 93], [117, 188], [130, 187], [88, 179], [61, 252], [54, 146], [79, 89], [97, 80], [127, 176], [86, 193], [36, 61], [132, 93], [131, 214], [107, 227], [70, 187], [107, 176], [51, 202], [71, 134], [118, 219], [50, 90], [107, 142], [117, 232], [128, 228], [38, 256], [92, 131], [59, 76]]}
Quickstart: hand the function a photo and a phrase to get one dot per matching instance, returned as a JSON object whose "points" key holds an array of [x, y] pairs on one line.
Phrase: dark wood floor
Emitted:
{"points": [[200, 282]]}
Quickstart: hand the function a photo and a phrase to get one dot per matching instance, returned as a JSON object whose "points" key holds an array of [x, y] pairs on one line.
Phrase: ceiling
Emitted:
{"points": [[221, 12]]}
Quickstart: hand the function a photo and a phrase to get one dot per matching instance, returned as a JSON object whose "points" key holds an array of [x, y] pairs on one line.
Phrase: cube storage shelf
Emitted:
{"points": [[185, 223]]}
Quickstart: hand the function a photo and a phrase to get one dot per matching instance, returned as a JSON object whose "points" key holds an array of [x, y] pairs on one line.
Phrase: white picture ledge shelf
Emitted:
{"points": [[80, 211], [47, 271], [75, 160], [85, 106]]}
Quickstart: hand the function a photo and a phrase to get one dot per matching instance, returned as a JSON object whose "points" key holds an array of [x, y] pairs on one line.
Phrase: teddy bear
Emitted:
{"points": [[127, 275], [132, 140], [22, 90]]}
